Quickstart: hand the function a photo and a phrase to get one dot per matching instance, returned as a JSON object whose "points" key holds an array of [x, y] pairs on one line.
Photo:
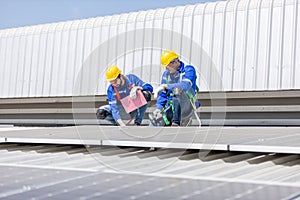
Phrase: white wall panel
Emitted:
{"points": [[198, 32], [227, 67], [3, 43], [216, 53], [41, 60], [13, 67], [72, 55], [234, 45], [274, 48], [55, 64], [238, 47], [103, 54], [296, 56], [2, 51], [77, 78], [250, 51], [48, 64], [86, 88], [7, 64], [261, 67], [62, 62], [287, 48], [20, 66], [27, 63], [95, 48], [35, 53]]}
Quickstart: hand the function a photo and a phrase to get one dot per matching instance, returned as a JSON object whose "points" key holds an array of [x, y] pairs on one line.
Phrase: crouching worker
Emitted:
{"points": [[176, 96], [127, 95]]}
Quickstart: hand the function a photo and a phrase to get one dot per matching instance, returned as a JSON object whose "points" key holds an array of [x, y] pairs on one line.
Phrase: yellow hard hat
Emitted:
{"points": [[112, 73], [167, 56]]}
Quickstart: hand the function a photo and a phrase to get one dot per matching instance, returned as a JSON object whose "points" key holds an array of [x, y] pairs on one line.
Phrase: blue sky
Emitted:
{"points": [[17, 13]]}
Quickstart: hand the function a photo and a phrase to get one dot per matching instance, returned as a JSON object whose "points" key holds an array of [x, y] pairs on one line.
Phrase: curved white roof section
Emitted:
{"points": [[234, 45]]}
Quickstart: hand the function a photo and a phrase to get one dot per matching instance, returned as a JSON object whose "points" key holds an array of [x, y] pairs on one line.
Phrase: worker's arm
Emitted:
{"points": [[188, 80], [112, 100]]}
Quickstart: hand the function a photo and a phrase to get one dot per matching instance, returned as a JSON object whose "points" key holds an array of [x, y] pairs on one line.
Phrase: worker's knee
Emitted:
{"points": [[101, 113]]}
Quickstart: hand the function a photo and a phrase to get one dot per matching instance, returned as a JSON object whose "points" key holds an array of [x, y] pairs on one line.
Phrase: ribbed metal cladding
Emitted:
{"points": [[235, 45], [277, 169]]}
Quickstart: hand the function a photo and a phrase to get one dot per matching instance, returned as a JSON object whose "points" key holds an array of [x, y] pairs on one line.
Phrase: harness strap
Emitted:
{"points": [[129, 121], [117, 92], [164, 116]]}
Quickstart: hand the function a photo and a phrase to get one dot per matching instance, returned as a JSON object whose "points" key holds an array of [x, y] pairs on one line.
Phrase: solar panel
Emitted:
{"points": [[43, 183]]}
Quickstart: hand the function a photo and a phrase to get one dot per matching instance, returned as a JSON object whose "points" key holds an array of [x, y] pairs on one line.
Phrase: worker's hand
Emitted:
{"points": [[133, 91], [159, 89], [157, 113], [121, 123]]}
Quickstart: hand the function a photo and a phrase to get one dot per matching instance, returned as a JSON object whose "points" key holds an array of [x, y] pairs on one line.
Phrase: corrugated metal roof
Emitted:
{"points": [[48, 171], [247, 167]]}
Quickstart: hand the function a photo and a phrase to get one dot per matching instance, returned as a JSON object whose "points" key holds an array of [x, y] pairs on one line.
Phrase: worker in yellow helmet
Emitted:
{"points": [[121, 87], [176, 96]]}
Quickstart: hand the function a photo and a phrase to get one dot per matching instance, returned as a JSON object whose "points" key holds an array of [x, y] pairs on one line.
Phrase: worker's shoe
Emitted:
{"points": [[137, 123], [174, 124]]}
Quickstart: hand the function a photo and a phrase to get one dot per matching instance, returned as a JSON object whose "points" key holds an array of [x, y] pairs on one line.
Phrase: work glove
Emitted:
{"points": [[134, 90], [121, 123], [157, 114], [177, 91], [159, 89]]}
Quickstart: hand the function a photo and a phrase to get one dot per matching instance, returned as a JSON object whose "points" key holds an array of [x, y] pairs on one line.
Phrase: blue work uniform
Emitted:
{"points": [[131, 80], [184, 78]]}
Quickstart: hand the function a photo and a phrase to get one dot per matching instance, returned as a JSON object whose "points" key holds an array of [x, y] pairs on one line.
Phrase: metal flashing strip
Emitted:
{"points": [[256, 139], [53, 141], [176, 145], [265, 149], [204, 122], [283, 143], [2, 139], [62, 135]]}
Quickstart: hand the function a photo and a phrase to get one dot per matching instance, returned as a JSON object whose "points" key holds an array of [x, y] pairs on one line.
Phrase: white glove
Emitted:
{"points": [[121, 123], [158, 90], [157, 113], [133, 91]]}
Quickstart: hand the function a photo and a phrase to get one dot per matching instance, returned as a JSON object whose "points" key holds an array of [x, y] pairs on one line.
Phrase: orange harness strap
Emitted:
{"points": [[119, 99]]}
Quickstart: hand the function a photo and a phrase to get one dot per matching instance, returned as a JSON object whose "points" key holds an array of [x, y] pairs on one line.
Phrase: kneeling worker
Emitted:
{"points": [[176, 100], [122, 91]]}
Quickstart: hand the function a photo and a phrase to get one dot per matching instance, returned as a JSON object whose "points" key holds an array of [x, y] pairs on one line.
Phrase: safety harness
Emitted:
{"points": [[192, 98]]}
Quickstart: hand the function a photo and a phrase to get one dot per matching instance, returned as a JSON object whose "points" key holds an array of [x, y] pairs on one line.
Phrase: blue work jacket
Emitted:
{"points": [[124, 91], [185, 78]]}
